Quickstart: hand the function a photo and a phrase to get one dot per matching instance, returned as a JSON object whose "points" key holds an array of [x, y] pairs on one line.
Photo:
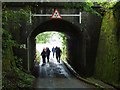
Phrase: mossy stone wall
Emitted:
{"points": [[8, 59], [108, 53]]}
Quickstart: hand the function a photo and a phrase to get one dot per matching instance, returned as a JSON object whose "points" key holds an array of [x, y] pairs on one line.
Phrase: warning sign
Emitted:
{"points": [[56, 15]]}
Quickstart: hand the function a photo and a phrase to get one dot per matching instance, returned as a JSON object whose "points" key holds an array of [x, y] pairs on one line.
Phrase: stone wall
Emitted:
{"points": [[108, 53]]}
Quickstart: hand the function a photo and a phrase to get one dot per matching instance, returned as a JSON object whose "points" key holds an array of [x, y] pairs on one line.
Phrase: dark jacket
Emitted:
{"points": [[43, 53]]}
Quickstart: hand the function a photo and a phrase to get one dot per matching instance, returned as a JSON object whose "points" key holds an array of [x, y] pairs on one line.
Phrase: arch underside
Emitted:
{"points": [[74, 41]]}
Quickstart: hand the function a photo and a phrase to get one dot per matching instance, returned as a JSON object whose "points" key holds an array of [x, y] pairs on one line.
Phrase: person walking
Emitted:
{"points": [[53, 51], [58, 53], [43, 54], [48, 54]]}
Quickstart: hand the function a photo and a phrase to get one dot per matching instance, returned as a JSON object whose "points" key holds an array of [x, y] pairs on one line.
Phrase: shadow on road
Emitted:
{"points": [[55, 75]]}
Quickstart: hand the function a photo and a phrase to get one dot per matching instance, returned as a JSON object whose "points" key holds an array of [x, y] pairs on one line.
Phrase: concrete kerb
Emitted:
{"points": [[78, 76], [102, 87]]}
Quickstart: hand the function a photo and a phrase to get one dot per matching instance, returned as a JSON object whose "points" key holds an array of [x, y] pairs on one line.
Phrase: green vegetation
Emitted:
{"points": [[13, 75], [64, 48], [43, 38], [38, 56], [89, 5], [14, 21], [107, 61], [15, 16], [46, 37]]}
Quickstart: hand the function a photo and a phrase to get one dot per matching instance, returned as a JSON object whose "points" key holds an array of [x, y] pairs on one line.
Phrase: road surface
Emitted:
{"points": [[54, 75]]}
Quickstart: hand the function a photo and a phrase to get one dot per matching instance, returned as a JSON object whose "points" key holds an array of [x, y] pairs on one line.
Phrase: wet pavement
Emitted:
{"points": [[54, 75]]}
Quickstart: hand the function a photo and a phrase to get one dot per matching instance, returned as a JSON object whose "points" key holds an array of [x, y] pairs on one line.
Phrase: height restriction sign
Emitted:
{"points": [[56, 15]]}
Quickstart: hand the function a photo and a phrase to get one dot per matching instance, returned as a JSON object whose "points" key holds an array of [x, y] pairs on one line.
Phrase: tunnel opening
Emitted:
{"points": [[50, 40], [74, 42]]}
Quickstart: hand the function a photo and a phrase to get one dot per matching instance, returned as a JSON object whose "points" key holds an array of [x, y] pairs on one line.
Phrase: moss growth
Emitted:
{"points": [[37, 57], [107, 61], [12, 77]]}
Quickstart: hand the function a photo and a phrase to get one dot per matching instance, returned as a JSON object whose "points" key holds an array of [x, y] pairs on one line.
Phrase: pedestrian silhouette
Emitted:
{"points": [[48, 53], [53, 51], [43, 54], [58, 53]]}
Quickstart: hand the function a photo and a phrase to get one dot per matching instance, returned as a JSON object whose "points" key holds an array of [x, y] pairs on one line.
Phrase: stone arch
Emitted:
{"points": [[74, 42]]}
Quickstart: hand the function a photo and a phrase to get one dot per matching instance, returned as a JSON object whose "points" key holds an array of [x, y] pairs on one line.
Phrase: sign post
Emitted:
{"points": [[56, 15]]}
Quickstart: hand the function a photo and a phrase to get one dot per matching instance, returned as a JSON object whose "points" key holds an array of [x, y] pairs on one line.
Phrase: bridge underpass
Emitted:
{"points": [[48, 76], [74, 40], [78, 43], [82, 42], [82, 39]]}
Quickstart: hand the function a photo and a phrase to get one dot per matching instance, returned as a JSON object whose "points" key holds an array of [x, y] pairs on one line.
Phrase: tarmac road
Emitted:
{"points": [[54, 75]]}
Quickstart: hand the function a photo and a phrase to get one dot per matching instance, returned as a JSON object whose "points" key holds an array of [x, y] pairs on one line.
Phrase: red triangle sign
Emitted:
{"points": [[56, 15]]}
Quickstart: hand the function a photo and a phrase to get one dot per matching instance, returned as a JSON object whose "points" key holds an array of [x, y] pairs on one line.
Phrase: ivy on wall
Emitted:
{"points": [[11, 23]]}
